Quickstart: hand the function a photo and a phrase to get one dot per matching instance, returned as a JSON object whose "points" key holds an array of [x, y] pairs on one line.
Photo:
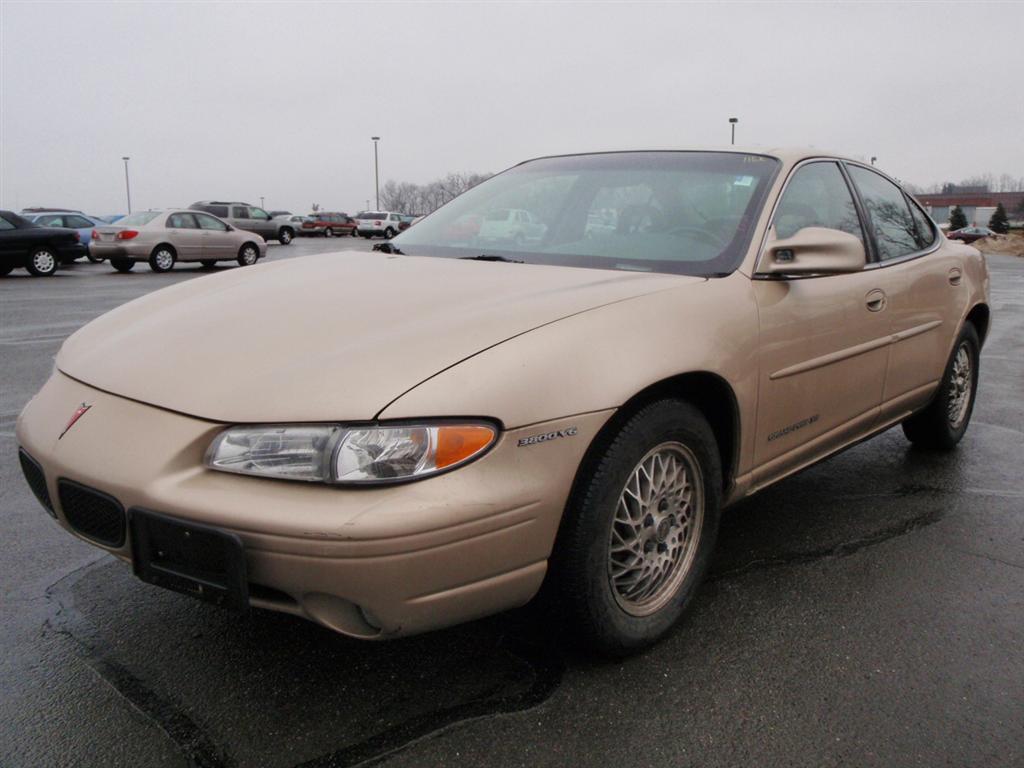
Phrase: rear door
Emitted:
{"points": [[927, 294], [823, 345], [218, 242], [185, 235]]}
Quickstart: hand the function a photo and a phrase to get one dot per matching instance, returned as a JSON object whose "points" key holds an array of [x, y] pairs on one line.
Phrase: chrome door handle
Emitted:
{"points": [[875, 300], [955, 276]]}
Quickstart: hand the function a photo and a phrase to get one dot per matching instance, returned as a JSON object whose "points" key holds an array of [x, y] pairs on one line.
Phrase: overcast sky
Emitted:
{"points": [[279, 100]]}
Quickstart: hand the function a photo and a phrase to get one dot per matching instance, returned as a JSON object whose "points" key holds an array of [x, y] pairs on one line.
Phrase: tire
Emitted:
{"points": [[123, 265], [614, 530], [42, 262], [329, 232], [353, 233], [208, 263], [162, 258], [248, 255], [389, 233], [940, 426], [95, 259], [285, 236]]}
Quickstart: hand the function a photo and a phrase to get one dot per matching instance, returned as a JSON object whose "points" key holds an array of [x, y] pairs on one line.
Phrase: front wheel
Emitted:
{"points": [[42, 262], [329, 232], [248, 255], [285, 237], [389, 233], [639, 529], [122, 265], [940, 426]]}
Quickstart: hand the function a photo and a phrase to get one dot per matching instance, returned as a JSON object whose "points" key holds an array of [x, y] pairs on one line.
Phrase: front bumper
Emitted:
{"points": [[367, 562]]}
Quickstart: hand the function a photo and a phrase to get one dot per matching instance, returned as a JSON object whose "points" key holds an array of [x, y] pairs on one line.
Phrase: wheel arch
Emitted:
{"points": [[979, 317], [708, 392], [164, 244]]}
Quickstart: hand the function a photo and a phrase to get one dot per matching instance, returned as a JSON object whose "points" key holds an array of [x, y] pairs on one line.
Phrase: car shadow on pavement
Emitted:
{"points": [[270, 689]]}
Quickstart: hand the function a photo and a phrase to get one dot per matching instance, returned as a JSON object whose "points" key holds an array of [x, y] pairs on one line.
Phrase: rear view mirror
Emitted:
{"points": [[814, 250]]}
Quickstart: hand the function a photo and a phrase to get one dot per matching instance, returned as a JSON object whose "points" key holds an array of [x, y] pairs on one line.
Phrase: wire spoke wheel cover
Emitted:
{"points": [[164, 259], [656, 529], [961, 385]]}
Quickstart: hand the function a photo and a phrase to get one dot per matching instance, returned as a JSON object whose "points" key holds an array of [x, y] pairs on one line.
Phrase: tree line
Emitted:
{"points": [[419, 199]]}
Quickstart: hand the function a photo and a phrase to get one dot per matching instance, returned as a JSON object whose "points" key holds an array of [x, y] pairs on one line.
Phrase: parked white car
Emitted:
{"points": [[511, 225], [384, 223]]}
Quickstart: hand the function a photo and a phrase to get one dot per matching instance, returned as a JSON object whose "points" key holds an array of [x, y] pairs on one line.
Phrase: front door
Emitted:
{"points": [[824, 340], [218, 242]]}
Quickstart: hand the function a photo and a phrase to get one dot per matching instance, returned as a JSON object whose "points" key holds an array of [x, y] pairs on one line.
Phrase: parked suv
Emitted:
{"points": [[329, 224], [381, 223], [250, 218]]}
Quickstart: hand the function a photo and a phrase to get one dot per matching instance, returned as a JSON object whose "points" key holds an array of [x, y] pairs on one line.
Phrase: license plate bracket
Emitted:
{"points": [[197, 560]]}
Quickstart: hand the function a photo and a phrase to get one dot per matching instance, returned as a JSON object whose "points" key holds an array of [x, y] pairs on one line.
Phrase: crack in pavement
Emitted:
{"points": [[201, 751], [842, 549]]}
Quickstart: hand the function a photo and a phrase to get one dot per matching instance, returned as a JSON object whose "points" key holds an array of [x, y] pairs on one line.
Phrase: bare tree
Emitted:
{"points": [[408, 197]]}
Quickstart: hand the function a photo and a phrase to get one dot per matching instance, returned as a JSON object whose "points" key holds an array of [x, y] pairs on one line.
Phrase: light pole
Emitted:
{"points": [[873, 158], [732, 123], [127, 187], [376, 170], [262, 204]]}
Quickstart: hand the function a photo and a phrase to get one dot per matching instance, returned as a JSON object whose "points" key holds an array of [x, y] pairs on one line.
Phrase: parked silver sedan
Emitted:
{"points": [[165, 237]]}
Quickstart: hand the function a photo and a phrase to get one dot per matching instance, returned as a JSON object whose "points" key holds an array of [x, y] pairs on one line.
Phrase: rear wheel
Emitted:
{"points": [[639, 529], [42, 262], [122, 265], [248, 255], [329, 232], [162, 259], [286, 236], [389, 233], [940, 426]]}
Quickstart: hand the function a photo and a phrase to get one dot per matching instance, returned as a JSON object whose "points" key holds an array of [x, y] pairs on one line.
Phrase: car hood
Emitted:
{"points": [[331, 337]]}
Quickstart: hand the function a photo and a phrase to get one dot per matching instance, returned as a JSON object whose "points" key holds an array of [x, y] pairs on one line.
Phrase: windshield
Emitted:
{"points": [[138, 219], [682, 212]]}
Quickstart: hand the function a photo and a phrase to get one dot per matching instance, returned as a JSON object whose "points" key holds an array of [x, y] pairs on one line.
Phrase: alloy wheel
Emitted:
{"points": [[656, 529], [960, 386]]}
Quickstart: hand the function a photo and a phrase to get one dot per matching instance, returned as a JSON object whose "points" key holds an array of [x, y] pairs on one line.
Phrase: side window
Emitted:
{"points": [[208, 222], [182, 221], [925, 228], [5, 224], [817, 196], [77, 222], [259, 213], [895, 229], [239, 212], [50, 221]]}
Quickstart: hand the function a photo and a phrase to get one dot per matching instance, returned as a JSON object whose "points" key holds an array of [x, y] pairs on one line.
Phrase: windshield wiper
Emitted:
{"points": [[387, 247], [488, 257]]}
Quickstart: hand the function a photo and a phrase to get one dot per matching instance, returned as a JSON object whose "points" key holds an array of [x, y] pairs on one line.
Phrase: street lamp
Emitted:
{"points": [[376, 169], [732, 122], [873, 158], [262, 204], [127, 188]]}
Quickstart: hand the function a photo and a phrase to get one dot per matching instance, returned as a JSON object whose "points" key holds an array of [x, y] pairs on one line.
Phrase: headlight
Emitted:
{"points": [[332, 453]]}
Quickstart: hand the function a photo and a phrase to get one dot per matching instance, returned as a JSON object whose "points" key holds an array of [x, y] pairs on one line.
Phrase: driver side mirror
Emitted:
{"points": [[814, 250]]}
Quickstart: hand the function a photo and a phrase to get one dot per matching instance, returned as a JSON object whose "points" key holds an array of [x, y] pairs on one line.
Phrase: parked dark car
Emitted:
{"points": [[38, 249], [970, 234], [329, 224]]}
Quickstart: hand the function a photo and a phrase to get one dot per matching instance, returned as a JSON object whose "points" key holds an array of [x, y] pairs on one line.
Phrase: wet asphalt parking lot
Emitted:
{"points": [[867, 612]]}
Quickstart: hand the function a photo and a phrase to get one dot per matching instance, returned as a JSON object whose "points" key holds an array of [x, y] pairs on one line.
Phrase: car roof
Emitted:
{"points": [[788, 155]]}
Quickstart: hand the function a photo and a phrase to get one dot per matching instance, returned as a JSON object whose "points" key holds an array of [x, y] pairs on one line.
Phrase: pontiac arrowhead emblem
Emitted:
{"points": [[79, 413]]}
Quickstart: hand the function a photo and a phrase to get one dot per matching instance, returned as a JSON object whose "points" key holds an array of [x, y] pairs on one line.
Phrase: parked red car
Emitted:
{"points": [[329, 224], [970, 234]]}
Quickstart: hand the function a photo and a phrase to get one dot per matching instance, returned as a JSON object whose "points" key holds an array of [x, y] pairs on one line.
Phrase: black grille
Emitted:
{"points": [[36, 479], [92, 513]]}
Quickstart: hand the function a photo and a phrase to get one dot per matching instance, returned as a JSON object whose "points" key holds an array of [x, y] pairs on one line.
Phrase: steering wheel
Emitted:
{"points": [[709, 237]]}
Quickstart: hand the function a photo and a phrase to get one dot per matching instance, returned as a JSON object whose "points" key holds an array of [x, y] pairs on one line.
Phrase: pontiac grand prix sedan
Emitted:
{"points": [[441, 430]]}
